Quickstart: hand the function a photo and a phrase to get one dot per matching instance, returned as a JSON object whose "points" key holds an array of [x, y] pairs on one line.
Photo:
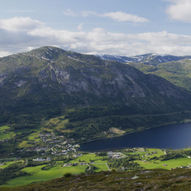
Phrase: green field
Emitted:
{"points": [[145, 158], [87, 158], [6, 133], [102, 166], [147, 153], [38, 175], [169, 164], [99, 162], [6, 164]]}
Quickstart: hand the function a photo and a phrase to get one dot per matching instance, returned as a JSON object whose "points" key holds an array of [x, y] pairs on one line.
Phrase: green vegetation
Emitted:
{"points": [[82, 97], [36, 174], [88, 123], [169, 164], [177, 72], [6, 133], [100, 162], [52, 100], [50, 171], [57, 124], [174, 180], [88, 158], [137, 159], [7, 164], [12, 170], [156, 158]]}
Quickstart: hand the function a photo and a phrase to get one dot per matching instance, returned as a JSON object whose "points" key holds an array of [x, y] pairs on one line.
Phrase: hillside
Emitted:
{"points": [[174, 180], [177, 72], [81, 97], [176, 69]]}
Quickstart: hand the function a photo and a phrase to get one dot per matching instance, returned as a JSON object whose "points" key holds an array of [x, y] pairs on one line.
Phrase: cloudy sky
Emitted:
{"points": [[119, 27]]}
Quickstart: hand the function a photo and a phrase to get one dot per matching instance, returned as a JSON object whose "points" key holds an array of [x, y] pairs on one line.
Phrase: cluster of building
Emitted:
{"points": [[115, 155], [42, 159], [51, 144]]}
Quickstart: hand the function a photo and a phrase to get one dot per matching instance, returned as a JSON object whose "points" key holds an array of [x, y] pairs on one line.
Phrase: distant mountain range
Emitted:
{"points": [[84, 97], [153, 59], [176, 69]]}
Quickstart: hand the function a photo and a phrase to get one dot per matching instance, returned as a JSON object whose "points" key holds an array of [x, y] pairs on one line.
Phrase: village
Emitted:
{"points": [[50, 146]]}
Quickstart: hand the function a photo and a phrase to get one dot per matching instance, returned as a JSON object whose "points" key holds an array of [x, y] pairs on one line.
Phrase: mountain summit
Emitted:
{"points": [[94, 95], [73, 78]]}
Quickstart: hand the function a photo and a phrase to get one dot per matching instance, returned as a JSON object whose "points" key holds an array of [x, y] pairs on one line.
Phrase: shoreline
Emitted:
{"points": [[134, 132]]}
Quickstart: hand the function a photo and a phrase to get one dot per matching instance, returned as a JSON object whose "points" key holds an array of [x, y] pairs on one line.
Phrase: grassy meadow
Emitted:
{"points": [[143, 158]]}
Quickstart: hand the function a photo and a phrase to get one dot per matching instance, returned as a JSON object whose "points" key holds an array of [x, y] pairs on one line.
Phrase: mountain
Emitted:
{"points": [[150, 59], [177, 72], [122, 59], [81, 97], [175, 69]]}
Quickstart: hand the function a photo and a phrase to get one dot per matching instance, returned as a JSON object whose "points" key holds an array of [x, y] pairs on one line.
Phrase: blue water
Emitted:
{"points": [[171, 136]]}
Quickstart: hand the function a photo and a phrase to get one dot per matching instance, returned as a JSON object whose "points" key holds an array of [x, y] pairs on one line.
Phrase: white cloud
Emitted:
{"points": [[116, 16], [69, 12], [19, 24], [97, 41], [180, 10], [125, 17]]}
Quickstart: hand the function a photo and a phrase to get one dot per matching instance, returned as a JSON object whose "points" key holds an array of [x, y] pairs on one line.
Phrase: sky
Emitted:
{"points": [[118, 27]]}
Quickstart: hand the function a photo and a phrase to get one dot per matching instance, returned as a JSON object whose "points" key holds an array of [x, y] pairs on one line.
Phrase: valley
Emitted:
{"points": [[79, 98], [53, 102], [95, 95]]}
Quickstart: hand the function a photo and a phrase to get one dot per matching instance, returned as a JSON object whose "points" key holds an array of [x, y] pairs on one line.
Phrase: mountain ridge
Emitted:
{"points": [[149, 58], [75, 67], [90, 94]]}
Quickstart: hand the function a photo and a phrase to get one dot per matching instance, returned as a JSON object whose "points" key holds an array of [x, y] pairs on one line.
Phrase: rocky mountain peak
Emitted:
{"points": [[47, 52]]}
